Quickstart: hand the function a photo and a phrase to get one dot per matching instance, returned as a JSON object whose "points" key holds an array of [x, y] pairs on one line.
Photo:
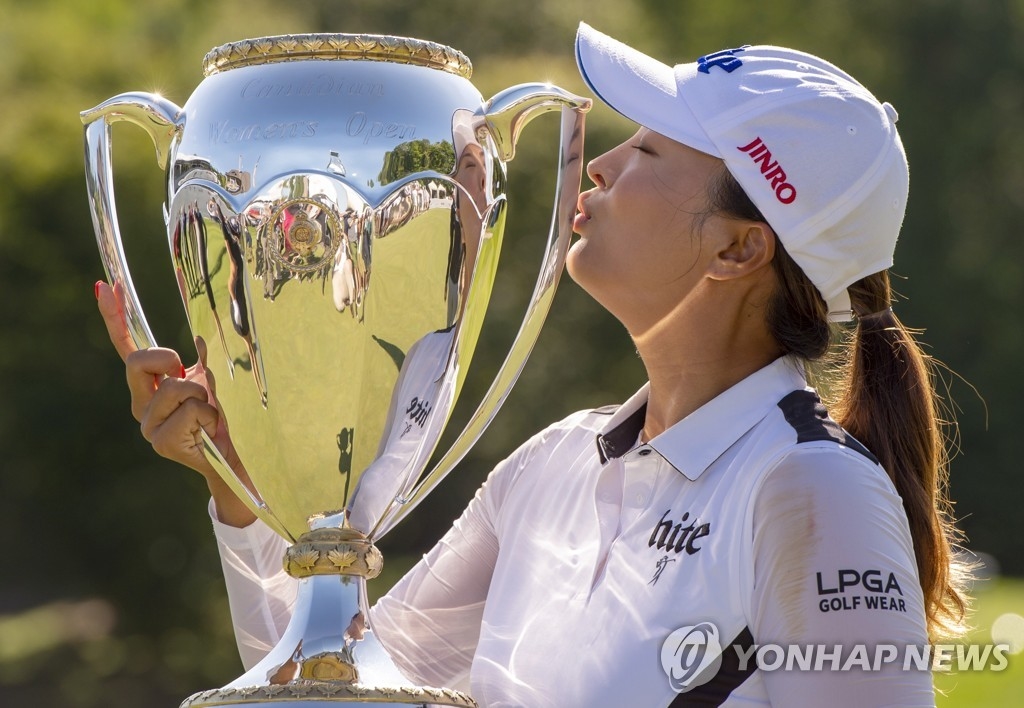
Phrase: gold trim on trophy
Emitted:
{"points": [[329, 666], [304, 233], [333, 551], [329, 691], [400, 50]]}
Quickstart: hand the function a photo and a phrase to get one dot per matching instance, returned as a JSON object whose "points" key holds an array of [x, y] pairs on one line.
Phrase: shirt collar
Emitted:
{"points": [[620, 433], [695, 442]]}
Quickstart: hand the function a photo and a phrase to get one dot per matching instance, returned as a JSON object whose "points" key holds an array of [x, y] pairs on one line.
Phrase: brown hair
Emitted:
{"points": [[881, 388]]}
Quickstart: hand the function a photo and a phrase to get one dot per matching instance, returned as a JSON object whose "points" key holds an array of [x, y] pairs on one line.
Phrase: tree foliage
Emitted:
{"points": [[417, 156]]}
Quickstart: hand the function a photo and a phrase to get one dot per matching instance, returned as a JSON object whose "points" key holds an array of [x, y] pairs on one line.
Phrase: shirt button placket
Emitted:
{"points": [[647, 463]]}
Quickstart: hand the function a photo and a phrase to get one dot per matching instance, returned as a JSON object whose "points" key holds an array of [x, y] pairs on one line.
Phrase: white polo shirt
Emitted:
{"points": [[584, 551]]}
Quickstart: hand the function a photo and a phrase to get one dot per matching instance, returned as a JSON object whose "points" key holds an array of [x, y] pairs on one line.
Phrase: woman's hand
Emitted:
{"points": [[175, 405]]}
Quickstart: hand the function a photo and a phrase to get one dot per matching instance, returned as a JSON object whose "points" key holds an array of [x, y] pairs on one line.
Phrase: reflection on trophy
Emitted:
{"points": [[335, 211]]}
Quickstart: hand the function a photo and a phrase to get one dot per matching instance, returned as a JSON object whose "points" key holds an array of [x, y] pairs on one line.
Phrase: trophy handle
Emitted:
{"points": [[506, 114], [162, 120]]}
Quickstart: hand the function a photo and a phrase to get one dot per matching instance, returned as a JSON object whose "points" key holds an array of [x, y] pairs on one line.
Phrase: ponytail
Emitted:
{"points": [[887, 401], [881, 389]]}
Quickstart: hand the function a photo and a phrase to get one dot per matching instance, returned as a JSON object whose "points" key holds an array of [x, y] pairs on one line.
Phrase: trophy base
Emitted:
{"points": [[328, 653], [306, 693]]}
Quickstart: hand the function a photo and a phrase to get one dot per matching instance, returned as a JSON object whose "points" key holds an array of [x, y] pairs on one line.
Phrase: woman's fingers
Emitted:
{"points": [[172, 406], [171, 395], [175, 420], [111, 304], [180, 437], [145, 371], [145, 367]]}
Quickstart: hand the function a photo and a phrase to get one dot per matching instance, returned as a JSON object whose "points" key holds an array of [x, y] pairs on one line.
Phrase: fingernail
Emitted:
{"points": [[96, 288], [182, 375]]}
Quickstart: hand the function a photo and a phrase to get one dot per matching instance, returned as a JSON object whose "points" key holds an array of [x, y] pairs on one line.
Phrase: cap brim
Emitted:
{"points": [[639, 87]]}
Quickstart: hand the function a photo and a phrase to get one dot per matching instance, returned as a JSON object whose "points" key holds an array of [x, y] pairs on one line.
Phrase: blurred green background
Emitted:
{"points": [[111, 595]]}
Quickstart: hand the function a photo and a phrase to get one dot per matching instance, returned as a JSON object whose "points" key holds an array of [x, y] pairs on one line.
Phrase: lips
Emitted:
{"points": [[582, 217], [581, 203]]}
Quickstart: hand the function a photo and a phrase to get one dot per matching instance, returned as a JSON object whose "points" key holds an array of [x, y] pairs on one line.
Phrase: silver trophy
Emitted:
{"points": [[335, 209]]}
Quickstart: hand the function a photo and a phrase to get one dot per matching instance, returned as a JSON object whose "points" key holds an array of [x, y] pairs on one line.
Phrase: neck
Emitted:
{"points": [[691, 358]]}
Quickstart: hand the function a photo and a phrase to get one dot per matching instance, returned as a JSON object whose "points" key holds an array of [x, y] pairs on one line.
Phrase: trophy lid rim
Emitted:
{"points": [[330, 46]]}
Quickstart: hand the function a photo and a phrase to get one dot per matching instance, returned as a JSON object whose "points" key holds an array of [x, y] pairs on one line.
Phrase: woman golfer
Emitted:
{"points": [[639, 555]]}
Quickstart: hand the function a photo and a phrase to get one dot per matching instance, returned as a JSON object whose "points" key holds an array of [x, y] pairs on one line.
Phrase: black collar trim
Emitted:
{"points": [[622, 438]]}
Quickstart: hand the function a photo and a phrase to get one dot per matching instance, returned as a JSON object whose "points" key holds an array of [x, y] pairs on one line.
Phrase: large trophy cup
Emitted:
{"points": [[335, 208]]}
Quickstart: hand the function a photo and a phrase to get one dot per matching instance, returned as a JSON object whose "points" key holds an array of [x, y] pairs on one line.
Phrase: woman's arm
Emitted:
{"points": [[260, 594], [834, 565], [430, 621]]}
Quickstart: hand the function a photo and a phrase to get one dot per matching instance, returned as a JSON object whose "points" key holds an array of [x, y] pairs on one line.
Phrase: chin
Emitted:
{"points": [[584, 272], [575, 262]]}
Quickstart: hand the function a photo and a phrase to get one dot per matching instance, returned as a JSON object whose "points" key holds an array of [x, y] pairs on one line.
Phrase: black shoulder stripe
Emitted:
{"points": [[804, 411], [729, 677]]}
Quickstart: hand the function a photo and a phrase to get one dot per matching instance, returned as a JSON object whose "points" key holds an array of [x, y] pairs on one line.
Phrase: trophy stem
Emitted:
{"points": [[328, 653]]}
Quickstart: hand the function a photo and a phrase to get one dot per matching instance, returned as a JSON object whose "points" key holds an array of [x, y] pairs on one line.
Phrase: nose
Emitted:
{"points": [[604, 168], [596, 171]]}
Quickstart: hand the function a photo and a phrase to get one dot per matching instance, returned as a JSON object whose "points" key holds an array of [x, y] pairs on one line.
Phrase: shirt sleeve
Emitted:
{"points": [[430, 621], [261, 595], [834, 566]]}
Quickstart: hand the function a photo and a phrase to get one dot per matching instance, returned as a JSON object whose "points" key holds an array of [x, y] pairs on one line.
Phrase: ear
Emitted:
{"points": [[751, 248]]}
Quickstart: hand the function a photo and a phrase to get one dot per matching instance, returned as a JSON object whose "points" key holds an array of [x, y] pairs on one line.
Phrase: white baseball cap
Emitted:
{"points": [[813, 149]]}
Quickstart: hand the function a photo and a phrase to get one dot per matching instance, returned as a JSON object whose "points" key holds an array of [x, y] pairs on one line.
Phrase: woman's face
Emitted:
{"points": [[642, 227], [471, 174]]}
